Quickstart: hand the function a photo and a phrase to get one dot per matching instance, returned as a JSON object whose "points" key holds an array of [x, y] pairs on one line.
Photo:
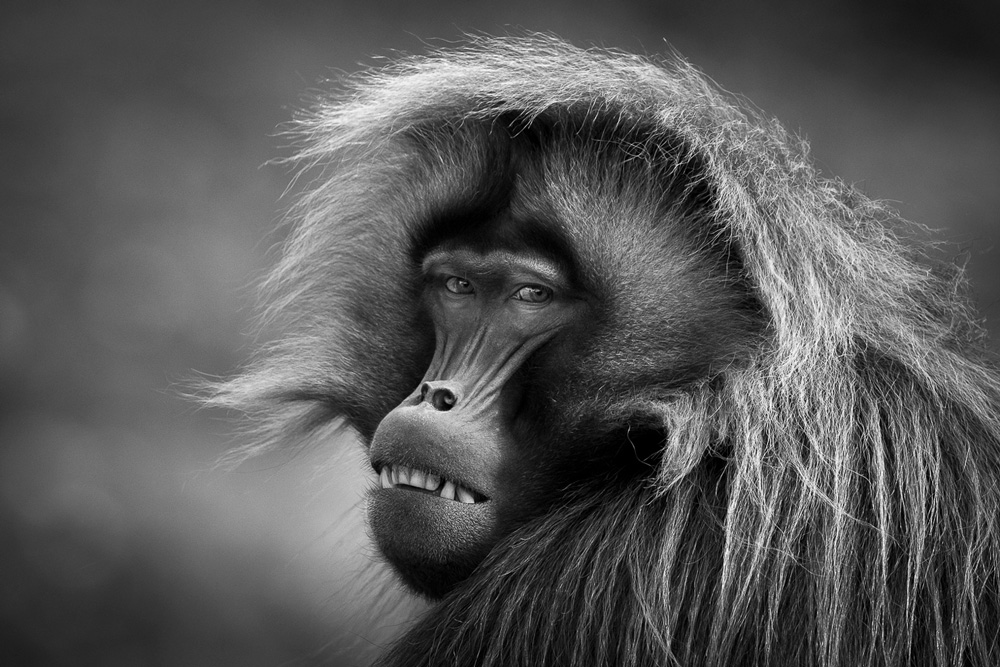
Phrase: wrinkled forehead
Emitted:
{"points": [[472, 260], [543, 177]]}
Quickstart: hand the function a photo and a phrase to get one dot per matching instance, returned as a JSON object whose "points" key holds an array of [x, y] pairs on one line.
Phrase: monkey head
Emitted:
{"points": [[542, 331]]}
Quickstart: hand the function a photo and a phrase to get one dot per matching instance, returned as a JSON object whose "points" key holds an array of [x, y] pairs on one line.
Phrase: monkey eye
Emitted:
{"points": [[533, 294], [457, 285]]}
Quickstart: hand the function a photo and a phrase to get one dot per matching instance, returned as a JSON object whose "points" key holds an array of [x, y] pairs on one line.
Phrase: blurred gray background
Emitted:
{"points": [[137, 206]]}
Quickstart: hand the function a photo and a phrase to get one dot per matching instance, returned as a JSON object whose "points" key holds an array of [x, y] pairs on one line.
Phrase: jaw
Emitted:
{"points": [[436, 512], [433, 543]]}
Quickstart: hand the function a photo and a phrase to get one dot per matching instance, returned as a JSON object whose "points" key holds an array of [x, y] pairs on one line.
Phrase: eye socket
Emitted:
{"points": [[533, 294], [458, 285]]}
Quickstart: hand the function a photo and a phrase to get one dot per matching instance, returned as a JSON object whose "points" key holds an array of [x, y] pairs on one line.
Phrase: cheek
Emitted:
{"points": [[578, 434], [550, 451]]}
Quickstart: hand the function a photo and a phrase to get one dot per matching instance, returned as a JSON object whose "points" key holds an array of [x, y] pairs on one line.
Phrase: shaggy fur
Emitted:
{"points": [[828, 496]]}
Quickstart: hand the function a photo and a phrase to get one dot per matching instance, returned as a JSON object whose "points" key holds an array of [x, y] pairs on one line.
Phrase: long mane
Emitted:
{"points": [[831, 500]]}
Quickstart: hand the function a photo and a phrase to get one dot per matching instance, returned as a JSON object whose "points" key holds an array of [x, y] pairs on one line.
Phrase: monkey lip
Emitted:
{"points": [[432, 542], [396, 476]]}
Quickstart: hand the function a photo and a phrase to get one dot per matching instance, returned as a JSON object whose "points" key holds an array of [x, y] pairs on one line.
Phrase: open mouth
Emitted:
{"points": [[412, 479]]}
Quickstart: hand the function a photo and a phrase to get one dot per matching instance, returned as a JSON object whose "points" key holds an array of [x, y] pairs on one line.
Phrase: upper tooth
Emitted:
{"points": [[432, 482], [464, 495], [404, 474], [395, 475]]}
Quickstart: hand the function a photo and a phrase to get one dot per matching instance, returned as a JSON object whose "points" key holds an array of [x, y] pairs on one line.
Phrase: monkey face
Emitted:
{"points": [[450, 471]]}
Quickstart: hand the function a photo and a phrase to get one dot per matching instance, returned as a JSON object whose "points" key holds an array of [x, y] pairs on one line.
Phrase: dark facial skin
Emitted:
{"points": [[449, 474]]}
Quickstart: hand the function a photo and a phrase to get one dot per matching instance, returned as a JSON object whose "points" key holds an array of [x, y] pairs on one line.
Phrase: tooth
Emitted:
{"points": [[384, 480], [394, 475], [448, 491], [417, 478], [404, 475], [465, 495], [432, 482]]}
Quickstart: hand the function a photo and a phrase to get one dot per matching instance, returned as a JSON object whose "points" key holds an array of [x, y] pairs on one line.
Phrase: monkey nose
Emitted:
{"points": [[442, 395]]}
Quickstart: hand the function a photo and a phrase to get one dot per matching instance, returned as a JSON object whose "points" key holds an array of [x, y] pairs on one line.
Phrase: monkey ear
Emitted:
{"points": [[690, 431]]}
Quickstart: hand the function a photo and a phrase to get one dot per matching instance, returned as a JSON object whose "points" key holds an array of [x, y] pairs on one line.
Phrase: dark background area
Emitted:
{"points": [[137, 204]]}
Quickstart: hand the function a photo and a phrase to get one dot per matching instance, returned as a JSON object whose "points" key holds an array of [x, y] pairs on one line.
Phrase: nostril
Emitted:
{"points": [[443, 399], [440, 394]]}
